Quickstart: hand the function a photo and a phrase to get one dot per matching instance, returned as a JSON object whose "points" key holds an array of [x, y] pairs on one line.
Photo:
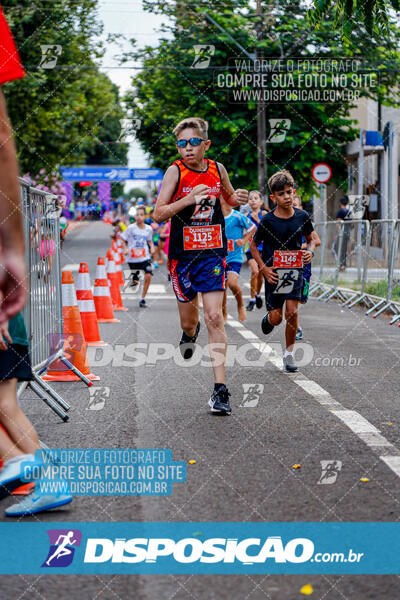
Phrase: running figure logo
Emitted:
{"points": [[62, 547], [50, 55], [286, 282], [251, 394], [203, 56], [279, 129], [97, 397], [330, 471]]}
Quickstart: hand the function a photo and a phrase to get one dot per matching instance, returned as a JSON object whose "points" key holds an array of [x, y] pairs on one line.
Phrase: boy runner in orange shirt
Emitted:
{"points": [[190, 195]]}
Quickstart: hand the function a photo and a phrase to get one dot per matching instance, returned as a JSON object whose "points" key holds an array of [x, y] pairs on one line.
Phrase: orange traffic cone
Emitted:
{"points": [[87, 309], [118, 267], [101, 295], [113, 278], [74, 341]]}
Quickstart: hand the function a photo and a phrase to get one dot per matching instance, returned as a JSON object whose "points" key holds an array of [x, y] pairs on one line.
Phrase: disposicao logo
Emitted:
{"points": [[62, 547], [190, 550]]}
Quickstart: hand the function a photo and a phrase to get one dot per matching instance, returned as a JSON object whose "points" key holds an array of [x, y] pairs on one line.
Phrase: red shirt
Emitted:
{"points": [[10, 65]]}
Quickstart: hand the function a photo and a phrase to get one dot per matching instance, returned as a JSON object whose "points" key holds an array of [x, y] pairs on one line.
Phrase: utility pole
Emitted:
{"points": [[261, 125]]}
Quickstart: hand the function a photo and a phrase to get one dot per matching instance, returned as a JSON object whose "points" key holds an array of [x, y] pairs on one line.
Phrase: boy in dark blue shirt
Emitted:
{"points": [[280, 231]]}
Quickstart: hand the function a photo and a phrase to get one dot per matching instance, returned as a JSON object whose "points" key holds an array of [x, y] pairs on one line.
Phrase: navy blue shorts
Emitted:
{"points": [[190, 276], [288, 288], [15, 363], [234, 267]]}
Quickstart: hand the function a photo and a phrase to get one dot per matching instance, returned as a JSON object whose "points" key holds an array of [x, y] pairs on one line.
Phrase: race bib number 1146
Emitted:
{"points": [[288, 259]]}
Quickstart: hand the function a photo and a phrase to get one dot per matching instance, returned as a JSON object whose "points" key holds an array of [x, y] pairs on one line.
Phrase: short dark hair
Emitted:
{"points": [[280, 180], [141, 208], [344, 200]]}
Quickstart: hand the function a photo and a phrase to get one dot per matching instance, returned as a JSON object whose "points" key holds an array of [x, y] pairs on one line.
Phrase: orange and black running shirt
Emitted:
{"points": [[199, 229], [10, 65]]}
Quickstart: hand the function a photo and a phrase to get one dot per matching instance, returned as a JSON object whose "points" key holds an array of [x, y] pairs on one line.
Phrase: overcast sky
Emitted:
{"points": [[127, 17]]}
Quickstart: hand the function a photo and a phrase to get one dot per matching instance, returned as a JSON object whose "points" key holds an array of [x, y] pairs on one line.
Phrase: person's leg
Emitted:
{"points": [[147, 279], [224, 309], [291, 316], [189, 316], [216, 332], [253, 278], [233, 283], [253, 283], [259, 282], [20, 436], [275, 316]]}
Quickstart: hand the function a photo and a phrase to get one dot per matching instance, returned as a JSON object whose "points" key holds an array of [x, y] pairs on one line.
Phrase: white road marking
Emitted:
{"points": [[157, 288], [249, 335], [363, 429], [393, 462]]}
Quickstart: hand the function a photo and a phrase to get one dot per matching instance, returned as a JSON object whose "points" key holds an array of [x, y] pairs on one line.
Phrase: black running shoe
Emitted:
{"points": [[266, 325], [143, 304], [251, 305], [258, 301], [186, 345], [219, 401]]}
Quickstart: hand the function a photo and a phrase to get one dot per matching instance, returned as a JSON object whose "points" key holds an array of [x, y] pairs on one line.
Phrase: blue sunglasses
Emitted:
{"points": [[194, 141]]}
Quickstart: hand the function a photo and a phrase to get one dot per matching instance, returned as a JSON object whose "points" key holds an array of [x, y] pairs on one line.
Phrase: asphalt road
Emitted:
{"points": [[244, 463]]}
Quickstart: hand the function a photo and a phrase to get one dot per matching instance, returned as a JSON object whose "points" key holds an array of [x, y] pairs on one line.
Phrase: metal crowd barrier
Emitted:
{"points": [[43, 311], [371, 249]]}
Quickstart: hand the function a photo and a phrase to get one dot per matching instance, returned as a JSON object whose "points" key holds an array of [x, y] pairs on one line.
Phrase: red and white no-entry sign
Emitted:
{"points": [[321, 173]]}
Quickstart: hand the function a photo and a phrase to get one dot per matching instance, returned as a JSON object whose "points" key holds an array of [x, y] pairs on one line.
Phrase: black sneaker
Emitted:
{"points": [[258, 301], [219, 401], [143, 304], [266, 325], [251, 305], [186, 345], [299, 334], [289, 365]]}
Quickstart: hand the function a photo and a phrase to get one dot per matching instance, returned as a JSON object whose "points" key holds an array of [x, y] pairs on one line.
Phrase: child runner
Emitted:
{"points": [[191, 196], [297, 203], [258, 210], [280, 230], [137, 240], [238, 230]]}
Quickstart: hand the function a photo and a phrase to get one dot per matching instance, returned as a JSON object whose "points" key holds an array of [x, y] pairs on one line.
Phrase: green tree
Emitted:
{"points": [[376, 15], [168, 89], [64, 114]]}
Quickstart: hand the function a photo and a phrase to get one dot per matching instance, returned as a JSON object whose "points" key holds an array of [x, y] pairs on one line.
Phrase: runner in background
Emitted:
{"points": [[191, 196], [282, 230], [258, 210], [238, 230], [138, 247], [297, 203], [157, 258]]}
